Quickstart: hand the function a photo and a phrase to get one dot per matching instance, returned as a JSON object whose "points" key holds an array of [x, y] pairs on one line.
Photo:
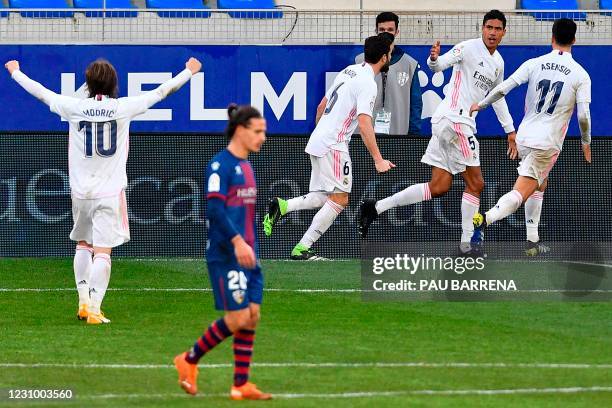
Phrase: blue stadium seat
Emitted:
{"points": [[179, 4], [250, 4], [110, 4], [42, 4], [3, 13], [554, 5], [605, 5]]}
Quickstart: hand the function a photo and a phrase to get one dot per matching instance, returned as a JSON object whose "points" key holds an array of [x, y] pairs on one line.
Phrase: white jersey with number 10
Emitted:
{"points": [[98, 133]]}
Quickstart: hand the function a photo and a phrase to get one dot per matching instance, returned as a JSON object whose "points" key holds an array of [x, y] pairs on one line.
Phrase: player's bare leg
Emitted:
{"points": [[470, 203], [82, 270], [323, 219], [100, 276], [533, 211], [439, 184], [278, 207]]}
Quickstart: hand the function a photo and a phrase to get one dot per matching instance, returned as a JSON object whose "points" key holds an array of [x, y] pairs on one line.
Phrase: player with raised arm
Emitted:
{"points": [[556, 83], [347, 104], [231, 254], [98, 135], [453, 148]]}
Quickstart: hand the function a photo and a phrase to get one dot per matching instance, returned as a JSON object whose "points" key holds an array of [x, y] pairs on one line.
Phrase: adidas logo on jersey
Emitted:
{"points": [[481, 64]]}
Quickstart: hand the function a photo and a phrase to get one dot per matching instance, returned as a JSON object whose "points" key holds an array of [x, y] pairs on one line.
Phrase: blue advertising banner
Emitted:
{"points": [[286, 81]]}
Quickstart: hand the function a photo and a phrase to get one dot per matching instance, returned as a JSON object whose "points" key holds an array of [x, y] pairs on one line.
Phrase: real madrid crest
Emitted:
{"points": [[402, 78]]}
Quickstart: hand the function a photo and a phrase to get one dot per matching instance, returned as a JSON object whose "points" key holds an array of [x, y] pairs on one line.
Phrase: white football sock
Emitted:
{"points": [[533, 210], [469, 207], [322, 220], [100, 276], [82, 269], [507, 204], [411, 195], [306, 202]]}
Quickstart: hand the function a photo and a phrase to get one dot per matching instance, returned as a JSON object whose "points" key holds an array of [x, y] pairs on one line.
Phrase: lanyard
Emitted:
{"points": [[384, 87]]}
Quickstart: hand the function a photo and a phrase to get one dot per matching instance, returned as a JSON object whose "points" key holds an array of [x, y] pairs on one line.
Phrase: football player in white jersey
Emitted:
{"points": [[97, 156], [477, 68], [346, 105], [556, 83]]}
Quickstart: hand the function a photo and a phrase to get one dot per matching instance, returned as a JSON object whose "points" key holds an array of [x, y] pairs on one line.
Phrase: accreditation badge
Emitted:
{"points": [[382, 122]]}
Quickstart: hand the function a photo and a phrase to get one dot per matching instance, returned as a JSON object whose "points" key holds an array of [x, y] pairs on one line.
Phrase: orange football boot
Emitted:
{"points": [[82, 313], [188, 374], [248, 391]]}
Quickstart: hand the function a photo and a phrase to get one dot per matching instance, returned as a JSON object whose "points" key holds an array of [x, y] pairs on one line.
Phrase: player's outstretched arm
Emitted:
{"points": [[437, 62], [32, 87], [369, 139], [495, 95], [192, 67]]}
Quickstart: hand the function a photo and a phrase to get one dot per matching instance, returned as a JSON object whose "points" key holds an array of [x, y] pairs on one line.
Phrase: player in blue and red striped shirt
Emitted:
{"points": [[231, 253]]}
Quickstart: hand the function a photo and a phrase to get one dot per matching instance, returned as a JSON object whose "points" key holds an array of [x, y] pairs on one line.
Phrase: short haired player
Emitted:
{"points": [[98, 135], [347, 104], [453, 149], [231, 254], [556, 83]]}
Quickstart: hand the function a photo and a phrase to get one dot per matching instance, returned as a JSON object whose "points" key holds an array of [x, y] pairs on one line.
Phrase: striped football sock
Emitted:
{"points": [[243, 353], [215, 334]]}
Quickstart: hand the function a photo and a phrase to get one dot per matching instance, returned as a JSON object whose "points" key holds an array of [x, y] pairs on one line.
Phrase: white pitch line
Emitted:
{"points": [[371, 394], [322, 290], [322, 365], [180, 290]]}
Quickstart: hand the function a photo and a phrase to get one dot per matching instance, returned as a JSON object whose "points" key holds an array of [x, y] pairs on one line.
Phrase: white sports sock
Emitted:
{"points": [[322, 220], [100, 276], [82, 269], [469, 207], [507, 204], [306, 202], [411, 195], [533, 210]]}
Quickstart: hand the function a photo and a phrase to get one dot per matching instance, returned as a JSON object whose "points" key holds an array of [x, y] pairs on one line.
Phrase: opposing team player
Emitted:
{"points": [[556, 82], [453, 148], [231, 254], [99, 129], [346, 105]]}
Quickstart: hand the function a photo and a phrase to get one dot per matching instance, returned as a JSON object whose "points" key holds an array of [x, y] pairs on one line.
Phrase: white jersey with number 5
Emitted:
{"points": [[352, 94], [556, 84], [99, 133]]}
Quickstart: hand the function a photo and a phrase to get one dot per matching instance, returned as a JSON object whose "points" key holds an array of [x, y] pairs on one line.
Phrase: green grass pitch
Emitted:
{"points": [[312, 348]]}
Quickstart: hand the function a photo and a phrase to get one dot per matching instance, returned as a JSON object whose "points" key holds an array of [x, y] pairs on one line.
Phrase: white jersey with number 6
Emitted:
{"points": [[352, 94], [556, 84], [99, 130]]}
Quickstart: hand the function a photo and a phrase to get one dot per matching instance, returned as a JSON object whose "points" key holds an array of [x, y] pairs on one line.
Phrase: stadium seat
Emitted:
{"points": [[111, 4], [3, 13], [554, 5], [179, 4], [42, 4], [605, 5], [250, 4]]}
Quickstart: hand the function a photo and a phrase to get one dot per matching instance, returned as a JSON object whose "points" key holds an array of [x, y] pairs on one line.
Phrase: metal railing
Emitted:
{"points": [[197, 26]]}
